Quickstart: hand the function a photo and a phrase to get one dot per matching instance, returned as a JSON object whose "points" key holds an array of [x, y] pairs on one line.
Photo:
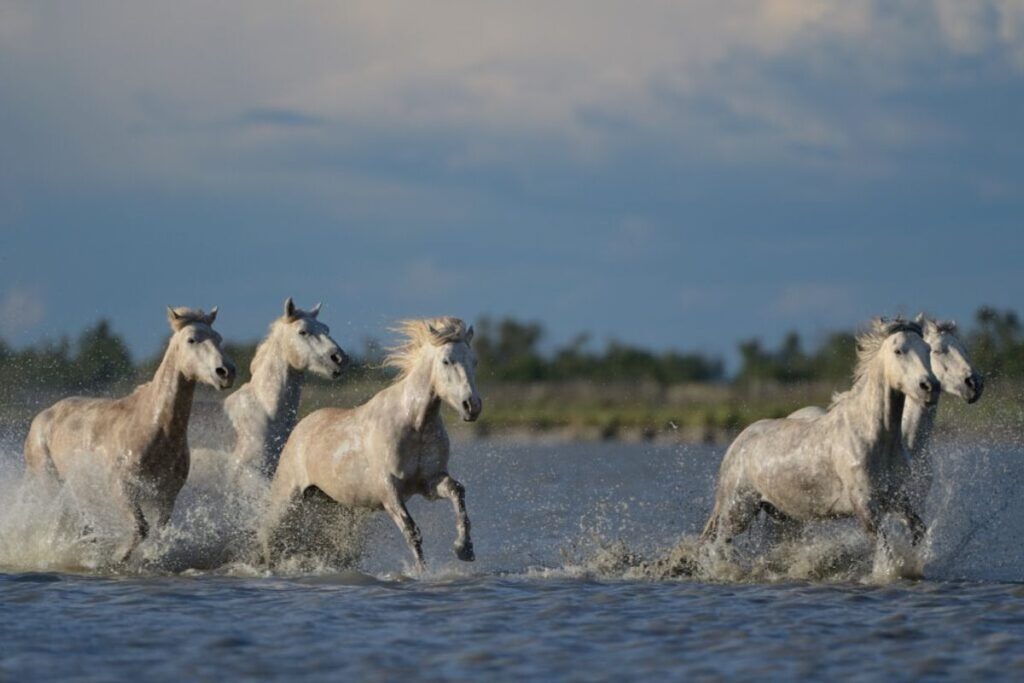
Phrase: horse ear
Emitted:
{"points": [[433, 331], [315, 311], [173, 318], [289, 308], [213, 316], [469, 334], [920, 319]]}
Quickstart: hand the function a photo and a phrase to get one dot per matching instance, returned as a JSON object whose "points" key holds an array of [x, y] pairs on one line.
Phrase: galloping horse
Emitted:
{"points": [[846, 462], [394, 446], [953, 368], [265, 409], [139, 440]]}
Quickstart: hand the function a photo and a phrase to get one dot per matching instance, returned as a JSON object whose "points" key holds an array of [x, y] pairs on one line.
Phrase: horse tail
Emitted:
{"points": [[38, 460], [711, 528]]}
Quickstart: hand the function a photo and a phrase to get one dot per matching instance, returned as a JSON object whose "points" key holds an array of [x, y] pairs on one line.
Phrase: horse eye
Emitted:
{"points": [[303, 333], [898, 352], [446, 362], [191, 340]]}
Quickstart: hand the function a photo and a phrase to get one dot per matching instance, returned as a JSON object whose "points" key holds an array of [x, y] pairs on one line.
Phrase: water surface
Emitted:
{"points": [[558, 590]]}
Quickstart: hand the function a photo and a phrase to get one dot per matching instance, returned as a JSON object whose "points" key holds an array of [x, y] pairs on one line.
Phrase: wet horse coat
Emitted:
{"points": [[846, 462], [139, 441], [394, 446], [264, 410]]}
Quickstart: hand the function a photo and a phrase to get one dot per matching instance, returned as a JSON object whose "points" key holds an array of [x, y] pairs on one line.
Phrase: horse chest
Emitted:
{"points": [[421, 455], [164, 458]]}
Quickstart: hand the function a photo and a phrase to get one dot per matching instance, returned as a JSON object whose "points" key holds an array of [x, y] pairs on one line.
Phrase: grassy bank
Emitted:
{"points": [[605, 411], [685, 413]]}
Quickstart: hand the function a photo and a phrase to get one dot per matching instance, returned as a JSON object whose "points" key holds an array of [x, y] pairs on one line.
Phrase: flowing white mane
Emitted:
{"points": [[267, 347], [419, 333], [870, 341], [868, 344]]}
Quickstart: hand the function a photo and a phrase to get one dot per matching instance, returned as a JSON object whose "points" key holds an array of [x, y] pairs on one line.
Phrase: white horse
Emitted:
{"points": [[265, 409], [394, 446], [138, 441], [953, 368], [843, 463]]}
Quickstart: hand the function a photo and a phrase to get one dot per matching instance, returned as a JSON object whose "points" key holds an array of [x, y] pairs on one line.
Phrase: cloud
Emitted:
{"points": [[140, 88], [21, 310]]}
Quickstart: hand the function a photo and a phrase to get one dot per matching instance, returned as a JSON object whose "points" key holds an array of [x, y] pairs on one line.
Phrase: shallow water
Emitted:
{"points": [[558, 590]]}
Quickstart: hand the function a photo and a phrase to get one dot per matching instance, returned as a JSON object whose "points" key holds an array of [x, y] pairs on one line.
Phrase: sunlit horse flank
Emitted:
{"points": [[846, 462], [265, 409], [958, 376], [140, 439], [394, 446]]}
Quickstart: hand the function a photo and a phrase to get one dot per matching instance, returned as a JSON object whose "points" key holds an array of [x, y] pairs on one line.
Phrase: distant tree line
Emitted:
{"points": [[510, 350], [98, 358]]}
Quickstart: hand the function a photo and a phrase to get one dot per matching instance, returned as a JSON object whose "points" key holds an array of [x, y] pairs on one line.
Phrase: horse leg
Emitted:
{"points": [[281, 500], [403, 520], [732, 515], [446, 487], [141, 532], [914, 522], [870, 516], [783, 526]]}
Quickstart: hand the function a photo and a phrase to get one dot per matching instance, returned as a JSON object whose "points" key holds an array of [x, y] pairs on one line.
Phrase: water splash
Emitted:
{"points": [[72, 528]]}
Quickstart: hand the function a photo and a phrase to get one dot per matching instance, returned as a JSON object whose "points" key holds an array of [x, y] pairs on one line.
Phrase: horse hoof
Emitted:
{"points": [[465, 552]]}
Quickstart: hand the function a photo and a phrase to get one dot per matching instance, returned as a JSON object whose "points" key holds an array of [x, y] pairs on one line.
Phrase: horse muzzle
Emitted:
{"points": [[341, 362], [225, 376], [975, 387], [471, 409]]}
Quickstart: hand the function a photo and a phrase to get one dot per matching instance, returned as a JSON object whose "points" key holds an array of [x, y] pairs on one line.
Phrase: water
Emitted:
{"points": [[567, 583]]}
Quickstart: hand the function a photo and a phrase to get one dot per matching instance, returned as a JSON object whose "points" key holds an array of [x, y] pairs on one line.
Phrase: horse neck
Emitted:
{"points": [[877, 410], [168, 397], [275, 383], [918, 421], [415, 401]]}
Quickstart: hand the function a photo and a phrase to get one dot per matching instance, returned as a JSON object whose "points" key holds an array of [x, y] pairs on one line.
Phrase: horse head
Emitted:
{"points": [[949, 359], [454, 369], [906, 360], [197, 347], [307, 342]]}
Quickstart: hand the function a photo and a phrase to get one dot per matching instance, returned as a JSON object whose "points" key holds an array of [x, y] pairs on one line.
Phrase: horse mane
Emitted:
{"points": [[938, 326], [868, 344], [263, 348], [419, 333], [181, 316]]}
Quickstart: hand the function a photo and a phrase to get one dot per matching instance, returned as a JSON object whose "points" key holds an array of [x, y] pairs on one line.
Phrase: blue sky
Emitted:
{"points": [[669, 174]]}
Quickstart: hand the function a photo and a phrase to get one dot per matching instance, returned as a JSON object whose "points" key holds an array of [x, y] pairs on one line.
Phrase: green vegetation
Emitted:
{"points": [[620, 391]]}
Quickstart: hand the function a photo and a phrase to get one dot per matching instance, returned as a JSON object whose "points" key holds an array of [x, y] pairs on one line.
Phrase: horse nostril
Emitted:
{"points": [[926, 386], [971, 384], [222, 371], [466, 405], [339, 358]]}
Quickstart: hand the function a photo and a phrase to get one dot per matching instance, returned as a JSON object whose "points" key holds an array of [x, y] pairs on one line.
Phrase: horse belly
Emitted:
{"points": [[350, 481], [802, 492]]}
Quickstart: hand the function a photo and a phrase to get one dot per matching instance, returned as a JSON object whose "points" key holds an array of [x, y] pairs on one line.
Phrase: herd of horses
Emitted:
{"points": [[864, 456]]}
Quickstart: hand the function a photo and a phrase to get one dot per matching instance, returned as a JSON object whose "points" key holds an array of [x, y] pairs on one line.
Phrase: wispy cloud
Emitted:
{"points": [[491, 71]]}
